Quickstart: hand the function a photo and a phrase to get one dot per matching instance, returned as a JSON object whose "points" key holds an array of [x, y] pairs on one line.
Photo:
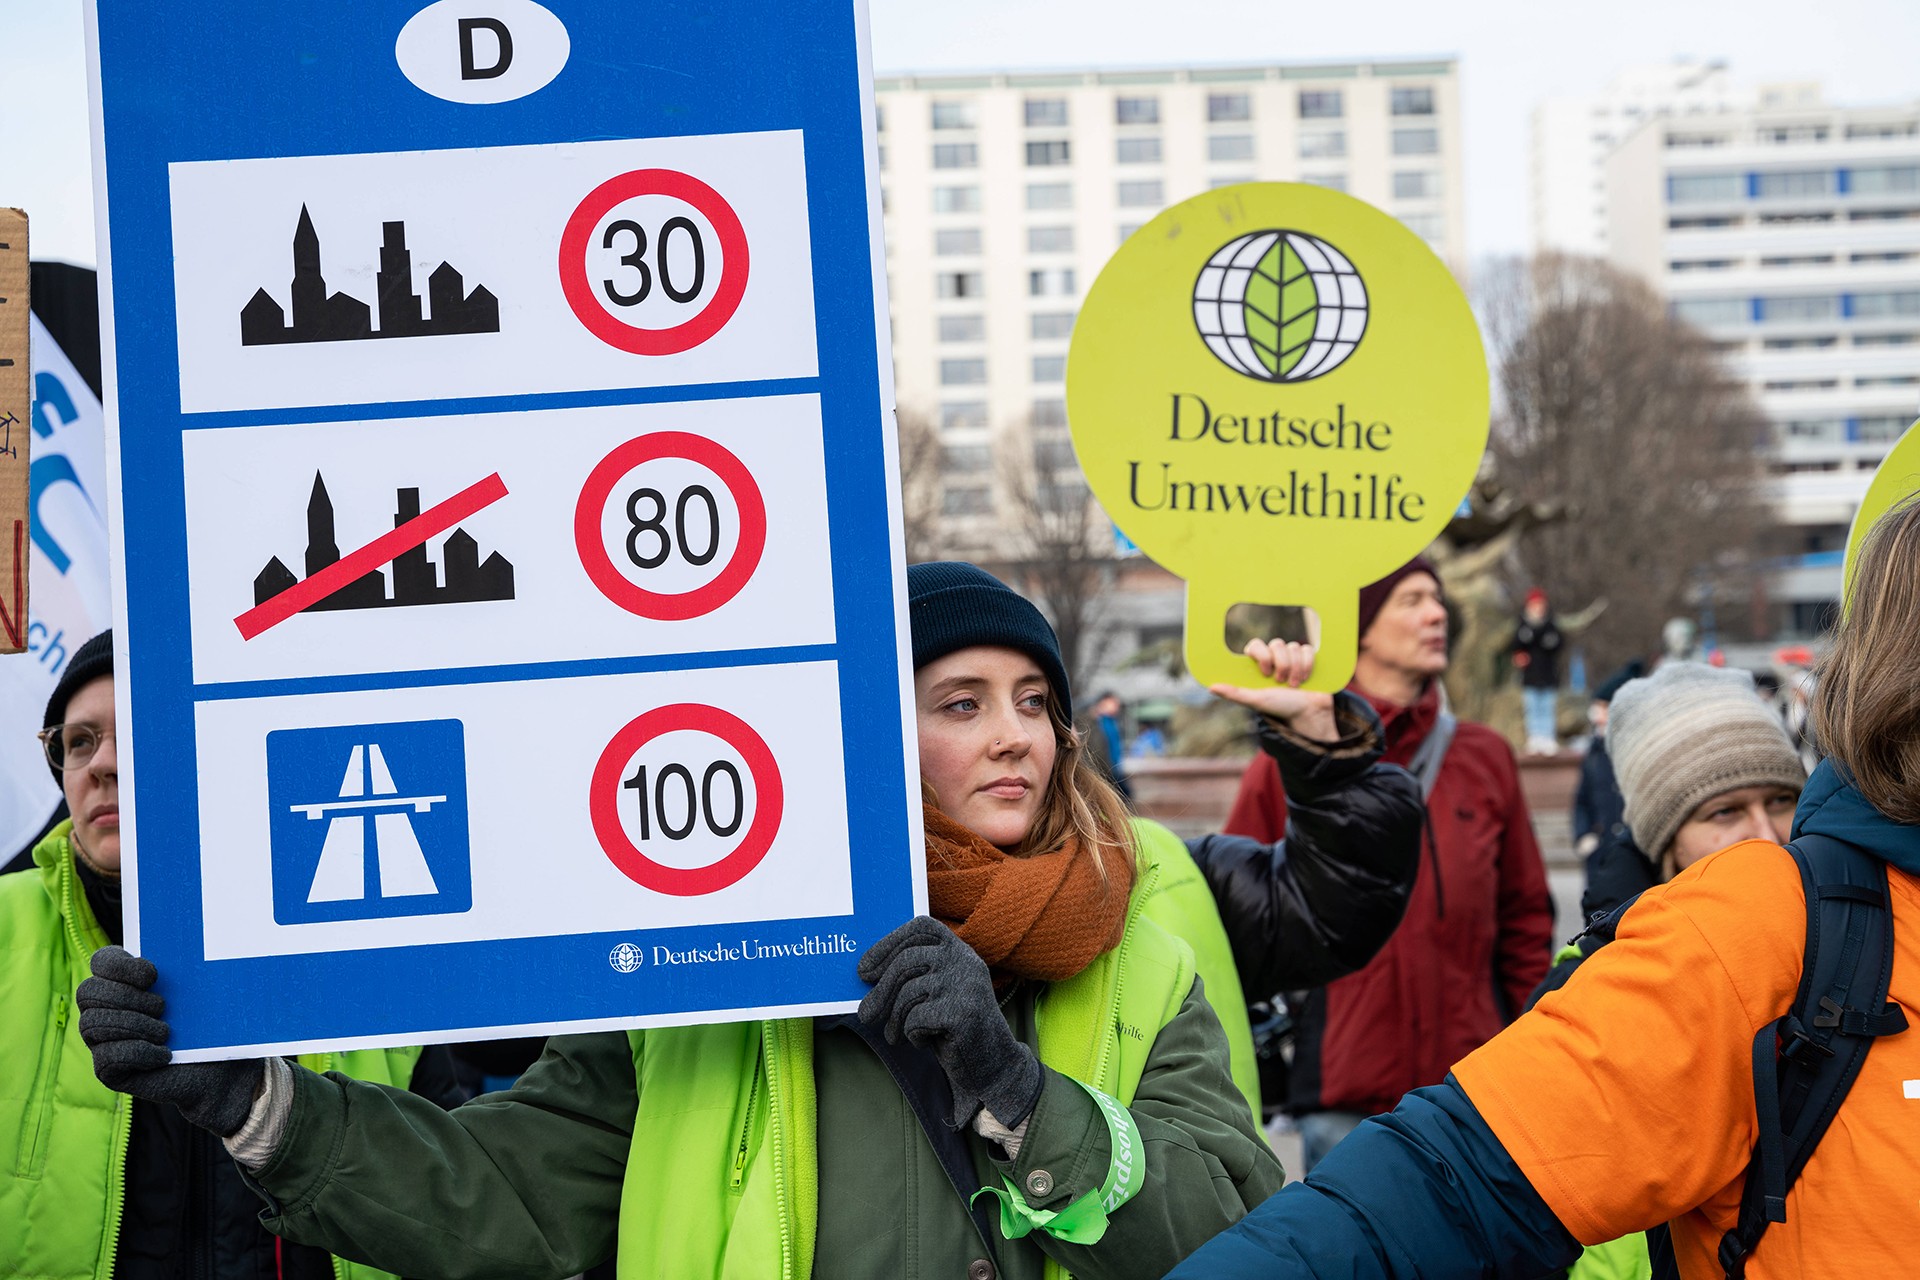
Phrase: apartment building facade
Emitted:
{"points": [[1005, 193], [1790, 234]]}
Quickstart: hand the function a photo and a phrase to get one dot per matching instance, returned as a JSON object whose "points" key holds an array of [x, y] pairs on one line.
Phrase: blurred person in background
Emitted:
{"points": [[1597, 805], [1536, 651]]}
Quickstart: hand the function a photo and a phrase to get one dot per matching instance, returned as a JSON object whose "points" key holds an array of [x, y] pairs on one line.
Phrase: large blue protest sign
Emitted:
{"points": [[67, 504], [507, 525]]}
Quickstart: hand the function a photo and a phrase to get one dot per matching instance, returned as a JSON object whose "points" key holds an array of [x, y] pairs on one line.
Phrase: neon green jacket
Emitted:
{"points": [[65, 1134], [746, 1151]]}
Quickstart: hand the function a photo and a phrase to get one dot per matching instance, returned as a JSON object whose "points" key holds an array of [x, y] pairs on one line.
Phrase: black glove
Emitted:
{"points": [[933, 990], [120, 1021]]}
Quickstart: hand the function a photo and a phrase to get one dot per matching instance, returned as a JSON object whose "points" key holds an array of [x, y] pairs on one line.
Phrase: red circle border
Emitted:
{"points": [[632, 338], [680, 882], [670, 606]]}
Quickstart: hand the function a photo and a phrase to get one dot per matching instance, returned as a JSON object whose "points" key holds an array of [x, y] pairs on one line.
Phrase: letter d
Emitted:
{"points": [[1206, 416], [503, 48]]}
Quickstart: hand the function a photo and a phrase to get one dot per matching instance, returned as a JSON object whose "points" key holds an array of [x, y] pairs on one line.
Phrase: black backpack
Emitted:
{"points": [[1805, 1062]]}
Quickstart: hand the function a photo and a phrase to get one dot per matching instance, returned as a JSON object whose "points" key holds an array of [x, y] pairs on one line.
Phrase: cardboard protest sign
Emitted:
{"points": [[16, 402], [507, 527], [1279, 393], [1896, 480]]}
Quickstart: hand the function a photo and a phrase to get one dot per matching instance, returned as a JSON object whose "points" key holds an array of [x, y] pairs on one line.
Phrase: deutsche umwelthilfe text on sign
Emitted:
{"points": [[1278, 392], [511, 627]]}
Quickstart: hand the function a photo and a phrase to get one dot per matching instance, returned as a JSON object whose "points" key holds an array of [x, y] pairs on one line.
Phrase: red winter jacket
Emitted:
{"points": [[1472, 947]]}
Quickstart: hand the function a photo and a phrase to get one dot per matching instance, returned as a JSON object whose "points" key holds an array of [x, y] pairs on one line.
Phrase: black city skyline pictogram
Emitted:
{"points": [[468, 578], [320, 316]]}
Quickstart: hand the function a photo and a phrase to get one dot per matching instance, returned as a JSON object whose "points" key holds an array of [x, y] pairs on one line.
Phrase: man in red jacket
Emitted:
{"points": [[1476, 936]]}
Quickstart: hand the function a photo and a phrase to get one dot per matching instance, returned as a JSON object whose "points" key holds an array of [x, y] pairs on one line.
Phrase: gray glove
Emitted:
{"points": [[120, 1021], [933, 990]]}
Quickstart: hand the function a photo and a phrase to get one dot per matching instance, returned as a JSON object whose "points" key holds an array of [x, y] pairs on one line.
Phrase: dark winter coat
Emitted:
{"points": [[1541, 642], [1322, 903], [1598, 806], [1473, 944]]}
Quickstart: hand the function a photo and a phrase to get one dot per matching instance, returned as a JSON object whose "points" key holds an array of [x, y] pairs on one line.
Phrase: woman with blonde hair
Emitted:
{"points": [[1035, 1085]]}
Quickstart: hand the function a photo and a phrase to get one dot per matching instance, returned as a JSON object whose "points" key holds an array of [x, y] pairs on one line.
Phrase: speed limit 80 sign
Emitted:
{"points": [[507, 565]]}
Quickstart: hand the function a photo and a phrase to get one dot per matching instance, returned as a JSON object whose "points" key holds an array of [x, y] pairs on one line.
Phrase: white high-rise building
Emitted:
{"points": [[1005, 193], [1572, 138], [1790, 233]]}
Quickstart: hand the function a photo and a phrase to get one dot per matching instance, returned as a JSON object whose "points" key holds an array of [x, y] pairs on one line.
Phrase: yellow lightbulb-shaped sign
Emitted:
{"points": [[1278, 392]]}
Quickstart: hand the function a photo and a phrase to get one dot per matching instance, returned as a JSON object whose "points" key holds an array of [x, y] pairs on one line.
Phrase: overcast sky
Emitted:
{"points": [[1513, 53]]}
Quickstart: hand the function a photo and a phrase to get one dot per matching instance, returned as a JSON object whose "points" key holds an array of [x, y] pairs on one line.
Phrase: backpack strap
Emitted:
{"points": [[1805, 1062]]}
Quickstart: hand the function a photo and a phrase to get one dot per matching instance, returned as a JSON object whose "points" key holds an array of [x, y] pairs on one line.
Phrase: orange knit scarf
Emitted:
{"points": [[1045, 916]]}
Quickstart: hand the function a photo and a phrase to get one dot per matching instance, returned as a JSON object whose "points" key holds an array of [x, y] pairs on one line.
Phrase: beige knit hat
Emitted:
{"points": [[1685, 734]]}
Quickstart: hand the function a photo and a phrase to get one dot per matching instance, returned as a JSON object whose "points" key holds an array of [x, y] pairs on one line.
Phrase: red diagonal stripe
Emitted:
{"points": [[430, 523]]}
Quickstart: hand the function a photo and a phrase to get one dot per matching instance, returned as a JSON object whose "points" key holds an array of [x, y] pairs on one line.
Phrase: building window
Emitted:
{"points": [[1895, 255], [1046, 111], [1046, 325], [1884, 179], [1233, 180], [970, 501], [1710, 313], [1137, 150], [1698, 188], [952, 240], [1797, 260], [956, 199], [1829, 429], [1321, 104], [1887, 380], [963, 413], [1230, 146], [1229, 106], [956, 155], [1870, 306], [1416, 184], [1900, 129], [1880, 427], [1679, 140], [1049, 368], [961, 284], [1799, 309], [953, 113], [1798, 182], [966, 459], [1428, 226], [1136, 111], [1053, 455], [1885, 339], [1331, 181], [1323, 144], [879, 117], [880, 157], [1800, 344], [1135, 195], [963, 328], [1049, 195], [1054, 151], [1416, 142], [1128, 228], [1049, 239], [1053, 282], [1048, 413], [1415, 100], [962, 373], [1701, 224], [1787, 134], [1802, 384]]}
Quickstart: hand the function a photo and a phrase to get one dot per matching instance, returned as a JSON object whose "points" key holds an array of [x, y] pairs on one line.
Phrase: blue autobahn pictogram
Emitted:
{"points": [[349, 840]]}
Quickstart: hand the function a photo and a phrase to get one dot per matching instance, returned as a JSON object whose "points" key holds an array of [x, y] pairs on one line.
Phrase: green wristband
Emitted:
{"points": [[1085, 1220]]}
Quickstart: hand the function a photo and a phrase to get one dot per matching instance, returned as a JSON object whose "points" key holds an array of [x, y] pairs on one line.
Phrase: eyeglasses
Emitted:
{"points": [[71, 746]]}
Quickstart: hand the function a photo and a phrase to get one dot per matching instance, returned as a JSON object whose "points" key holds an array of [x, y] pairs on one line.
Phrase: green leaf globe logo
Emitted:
{"points": [[1280, 306]]}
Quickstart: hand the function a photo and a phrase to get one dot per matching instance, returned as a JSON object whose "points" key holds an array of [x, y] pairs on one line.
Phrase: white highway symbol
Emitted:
{"points": [[341, 875]]}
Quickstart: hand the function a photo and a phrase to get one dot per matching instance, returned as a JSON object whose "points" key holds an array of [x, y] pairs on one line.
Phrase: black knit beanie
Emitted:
{"points": [[92, 660], [951, 606]]}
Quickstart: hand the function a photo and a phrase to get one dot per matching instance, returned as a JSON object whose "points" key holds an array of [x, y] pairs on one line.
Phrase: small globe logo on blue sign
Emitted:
{"points": [[1280, 306], [626, 957]]}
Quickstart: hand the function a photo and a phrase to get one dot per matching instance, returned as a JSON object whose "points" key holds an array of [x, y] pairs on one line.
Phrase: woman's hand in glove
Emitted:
{"points": [[933, 990], [120, 1021]]}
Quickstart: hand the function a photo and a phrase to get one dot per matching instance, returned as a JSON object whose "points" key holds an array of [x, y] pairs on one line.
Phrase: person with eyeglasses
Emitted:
{"points": [[97, 1183]]}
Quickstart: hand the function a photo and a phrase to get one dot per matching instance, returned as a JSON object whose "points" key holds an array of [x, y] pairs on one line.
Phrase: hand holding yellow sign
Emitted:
{"points": [[1897, 479], [1278, 392]]}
